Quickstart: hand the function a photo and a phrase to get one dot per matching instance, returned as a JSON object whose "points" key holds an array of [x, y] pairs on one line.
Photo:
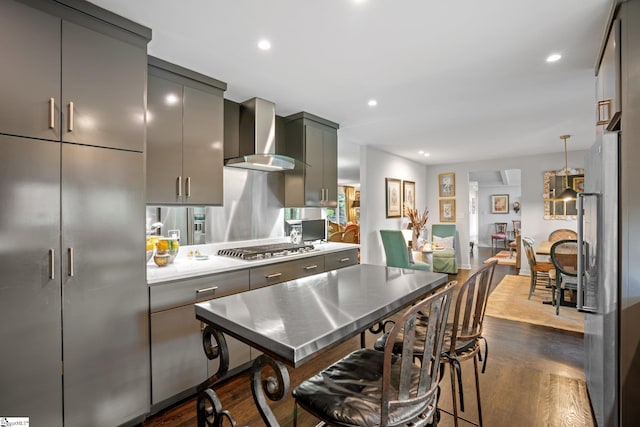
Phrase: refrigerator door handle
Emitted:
{"points": [[583, 254]]}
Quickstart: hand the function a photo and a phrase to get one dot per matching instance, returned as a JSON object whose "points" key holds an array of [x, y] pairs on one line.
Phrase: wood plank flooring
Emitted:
{"points": [[534, 377]]}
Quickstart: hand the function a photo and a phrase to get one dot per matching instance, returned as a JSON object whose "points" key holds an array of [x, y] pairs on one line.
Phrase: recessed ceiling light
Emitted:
{"points": [[427, 154], [373, 103], [554, 57], [264, 44], [421, 152]]}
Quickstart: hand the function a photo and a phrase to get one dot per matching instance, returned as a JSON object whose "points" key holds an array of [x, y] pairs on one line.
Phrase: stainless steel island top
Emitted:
{"points": [[294, 320]]}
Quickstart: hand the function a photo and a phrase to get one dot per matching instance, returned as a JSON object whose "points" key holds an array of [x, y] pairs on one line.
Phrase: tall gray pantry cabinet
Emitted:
{"points": [[73, 297]]}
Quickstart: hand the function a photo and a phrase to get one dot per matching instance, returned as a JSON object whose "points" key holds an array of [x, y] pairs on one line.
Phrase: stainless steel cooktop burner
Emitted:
{"points": [[266, 251]]}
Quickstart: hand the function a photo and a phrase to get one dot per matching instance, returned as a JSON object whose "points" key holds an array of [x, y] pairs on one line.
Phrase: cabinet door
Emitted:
{"points": [[608, 83], [330, 167], [314, 155], [30, 70], [105, 79], [202, 147], [177, 359], [30, 362], [164, 141], [105, 294]]}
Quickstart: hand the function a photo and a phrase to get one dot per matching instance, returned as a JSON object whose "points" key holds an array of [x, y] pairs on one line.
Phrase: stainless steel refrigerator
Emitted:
{"points": [[598, 284]]}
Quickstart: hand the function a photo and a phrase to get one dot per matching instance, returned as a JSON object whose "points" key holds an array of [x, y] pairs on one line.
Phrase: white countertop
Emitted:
{"points": [[184, 267]]}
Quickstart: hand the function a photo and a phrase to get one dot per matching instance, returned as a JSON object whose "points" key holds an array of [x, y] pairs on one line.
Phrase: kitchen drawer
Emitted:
{"points": [[284, 271], [188, 291], [341, 259]]}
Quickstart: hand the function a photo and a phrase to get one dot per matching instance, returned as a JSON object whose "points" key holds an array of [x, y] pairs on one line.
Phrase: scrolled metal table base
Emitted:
{"points": [[273, 387], [209, 409]]}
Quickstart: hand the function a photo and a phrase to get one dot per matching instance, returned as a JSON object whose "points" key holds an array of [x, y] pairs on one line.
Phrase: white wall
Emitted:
{"points": [[486, 219], [532, 208], [375, 166]]}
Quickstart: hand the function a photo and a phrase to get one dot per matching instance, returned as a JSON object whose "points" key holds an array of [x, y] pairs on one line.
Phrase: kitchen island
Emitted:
{"points": [[293, 321]]}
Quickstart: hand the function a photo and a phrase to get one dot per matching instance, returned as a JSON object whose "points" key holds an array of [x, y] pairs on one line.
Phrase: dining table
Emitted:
{"points": [[295, 321]]}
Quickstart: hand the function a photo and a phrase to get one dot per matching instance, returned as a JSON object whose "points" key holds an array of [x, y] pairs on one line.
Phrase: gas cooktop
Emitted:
{"points": [[266, 251]]}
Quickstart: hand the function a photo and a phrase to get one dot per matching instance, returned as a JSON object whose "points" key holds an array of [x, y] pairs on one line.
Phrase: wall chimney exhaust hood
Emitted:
{"points": [[256, 142]]}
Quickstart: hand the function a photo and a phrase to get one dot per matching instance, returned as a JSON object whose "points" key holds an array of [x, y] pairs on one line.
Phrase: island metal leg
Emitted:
{"points": [[273, 387], [209, 408]]}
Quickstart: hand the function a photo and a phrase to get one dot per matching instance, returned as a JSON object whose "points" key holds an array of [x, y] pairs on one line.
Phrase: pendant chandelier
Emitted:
{"points": [[568, 193]]}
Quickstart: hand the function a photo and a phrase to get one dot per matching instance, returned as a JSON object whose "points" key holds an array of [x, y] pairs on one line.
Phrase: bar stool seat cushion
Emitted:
{"points": [[349, 392]]}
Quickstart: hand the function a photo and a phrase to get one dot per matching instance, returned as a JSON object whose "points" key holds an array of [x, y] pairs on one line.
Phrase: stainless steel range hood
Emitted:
{"points": [[257, 139]]}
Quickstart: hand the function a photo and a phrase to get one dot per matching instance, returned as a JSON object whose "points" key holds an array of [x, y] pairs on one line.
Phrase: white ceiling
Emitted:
{"points": [[463, 80]]}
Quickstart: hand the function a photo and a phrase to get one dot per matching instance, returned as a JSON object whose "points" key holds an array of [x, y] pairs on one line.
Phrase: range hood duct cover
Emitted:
{"points": [[257, 139]]}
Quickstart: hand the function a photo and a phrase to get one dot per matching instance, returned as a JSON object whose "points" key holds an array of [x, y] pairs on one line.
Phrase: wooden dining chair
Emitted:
{"points": [[539, 270], [500, 235], [381, 388], [564, 256]]}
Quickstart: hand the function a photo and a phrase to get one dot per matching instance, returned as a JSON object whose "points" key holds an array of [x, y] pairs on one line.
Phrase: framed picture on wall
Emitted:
{"points": [[499, 203], [408, 196], [393, 197], [447, 210], [447, 184]]}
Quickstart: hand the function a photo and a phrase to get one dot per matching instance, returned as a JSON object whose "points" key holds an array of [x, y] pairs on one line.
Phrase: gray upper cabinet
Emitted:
{"points": [[608, 83], [313, 140], [78, 82], [103, 87], [185, 131], [30, 45]]}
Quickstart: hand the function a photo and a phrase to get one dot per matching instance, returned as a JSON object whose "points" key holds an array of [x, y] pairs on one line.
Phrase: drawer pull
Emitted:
{"points": [[274, 275], [311, 267], [345, 259], [212, 288]]}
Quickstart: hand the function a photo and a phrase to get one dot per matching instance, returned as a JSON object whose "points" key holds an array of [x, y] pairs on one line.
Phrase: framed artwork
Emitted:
{"points": [[408, 196], [578, 184], [500, 203], [394, 198], [447, 210], [447, 184]]}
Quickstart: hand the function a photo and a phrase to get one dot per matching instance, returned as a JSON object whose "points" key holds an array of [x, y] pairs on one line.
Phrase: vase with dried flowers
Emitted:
{"points": [[417, 223]]}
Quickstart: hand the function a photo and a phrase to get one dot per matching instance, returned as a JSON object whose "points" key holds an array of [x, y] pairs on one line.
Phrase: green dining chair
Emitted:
{"points": [[444, 260], [397, 252]]}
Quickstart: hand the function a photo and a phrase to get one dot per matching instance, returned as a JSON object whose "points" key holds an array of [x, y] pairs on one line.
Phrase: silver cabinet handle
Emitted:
{"points": [[212, 288], [70, 253], [344, 259], [52, 113], [188, 185], [271, 276], [310, 267], [70, 123], [179, 186], [52, 261]]}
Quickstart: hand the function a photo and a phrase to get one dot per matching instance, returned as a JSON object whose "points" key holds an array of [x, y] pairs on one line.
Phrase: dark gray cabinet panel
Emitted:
{"points": [[185, 137], [30, 70], [314, 141], [104, 78], [164, 135], [340, 259], [30, 291], [202, 146], [178, 363], [105, 296]]}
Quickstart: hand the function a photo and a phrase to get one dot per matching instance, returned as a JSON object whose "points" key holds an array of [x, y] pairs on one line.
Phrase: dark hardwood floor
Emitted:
{"points": [[529, 381]]}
